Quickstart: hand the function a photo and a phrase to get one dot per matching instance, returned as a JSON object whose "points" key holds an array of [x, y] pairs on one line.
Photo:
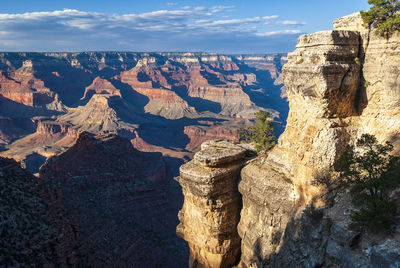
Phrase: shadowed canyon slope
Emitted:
{"points": [[122, 201], [35, 229], [340, 84], [165, 102]]}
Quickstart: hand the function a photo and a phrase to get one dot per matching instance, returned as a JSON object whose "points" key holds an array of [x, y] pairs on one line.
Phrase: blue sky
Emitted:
{"points": [[236, 26]]}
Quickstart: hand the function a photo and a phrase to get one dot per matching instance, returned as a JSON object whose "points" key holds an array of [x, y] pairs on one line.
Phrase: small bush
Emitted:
{"points": [[300, 61], [314, 59]]}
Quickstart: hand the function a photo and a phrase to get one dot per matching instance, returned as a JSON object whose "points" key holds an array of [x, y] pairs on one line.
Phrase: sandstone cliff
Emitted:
{"points": [[340, 84]]}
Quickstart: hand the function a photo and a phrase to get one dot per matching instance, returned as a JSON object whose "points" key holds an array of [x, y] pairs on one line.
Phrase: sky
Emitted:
{"points": [[221, 26]]}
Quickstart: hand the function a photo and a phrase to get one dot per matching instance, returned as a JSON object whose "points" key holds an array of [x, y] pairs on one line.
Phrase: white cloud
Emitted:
{"points": [[282, 32], [177, 29], [290, 23], [236, 21]]}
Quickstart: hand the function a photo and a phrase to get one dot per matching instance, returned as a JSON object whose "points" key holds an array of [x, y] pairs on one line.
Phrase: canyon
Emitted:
{"points": [[265, 211], [104, 133], [162, 102]]}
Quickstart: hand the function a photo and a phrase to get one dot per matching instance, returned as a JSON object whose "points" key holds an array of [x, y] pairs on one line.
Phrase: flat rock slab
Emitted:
{"points": [[215, 153]]}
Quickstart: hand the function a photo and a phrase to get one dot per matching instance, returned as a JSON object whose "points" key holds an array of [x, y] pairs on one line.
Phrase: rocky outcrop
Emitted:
{"points": [[330, 106], [210, 212], [50, 138], [102, 114], [340, 84], [35, 229]]}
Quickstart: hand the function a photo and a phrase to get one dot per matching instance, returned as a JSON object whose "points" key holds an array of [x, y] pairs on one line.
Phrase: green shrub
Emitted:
{"points": [[300, 61], [384, 16], [261, 133], [372, 173]]}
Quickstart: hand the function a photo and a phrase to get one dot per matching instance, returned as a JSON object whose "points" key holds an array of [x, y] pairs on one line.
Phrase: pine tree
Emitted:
{"points": [[261, 133], [384, 16], [372, 173]]}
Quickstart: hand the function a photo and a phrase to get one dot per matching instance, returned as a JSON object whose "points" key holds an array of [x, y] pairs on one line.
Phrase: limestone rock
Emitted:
{"points": [[352, 22], [340, 84], [268, 200], [212, 203]]}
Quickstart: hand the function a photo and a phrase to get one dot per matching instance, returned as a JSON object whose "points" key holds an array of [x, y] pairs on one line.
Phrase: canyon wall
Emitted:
{"points": [[340, 84]]}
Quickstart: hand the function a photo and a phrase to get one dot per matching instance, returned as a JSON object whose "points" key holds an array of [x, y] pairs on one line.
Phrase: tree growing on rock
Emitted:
{"points": [[384, 16], [372, 173], [261, 133]]}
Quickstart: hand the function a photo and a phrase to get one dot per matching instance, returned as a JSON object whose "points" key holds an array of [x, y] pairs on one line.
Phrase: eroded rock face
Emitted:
{"points": [[322, 81], [101, 86], [331, 105], [212, 204], [199, 135], [157, 95], [340, 84]]}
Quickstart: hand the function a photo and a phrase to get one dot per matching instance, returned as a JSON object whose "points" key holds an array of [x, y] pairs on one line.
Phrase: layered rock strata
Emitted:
{"points": [[269, 200], [210, 212], [331, 105], [150, 93], [340, 84]]}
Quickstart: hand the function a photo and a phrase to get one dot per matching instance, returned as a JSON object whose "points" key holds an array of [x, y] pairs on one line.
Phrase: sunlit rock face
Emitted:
{"points": [[322, 79], [340, 84], [211, 209], [268, 200]]}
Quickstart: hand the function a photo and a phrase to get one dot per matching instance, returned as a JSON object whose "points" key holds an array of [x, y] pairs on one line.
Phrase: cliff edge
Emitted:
{"points": [[340, 84]]}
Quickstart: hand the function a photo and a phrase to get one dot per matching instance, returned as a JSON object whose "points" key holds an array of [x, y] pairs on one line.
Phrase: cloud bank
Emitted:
{"points": [[184, 29]]}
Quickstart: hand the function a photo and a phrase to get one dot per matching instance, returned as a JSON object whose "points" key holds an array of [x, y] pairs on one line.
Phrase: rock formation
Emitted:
{"points": [[340, 84], [212, 205]]}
